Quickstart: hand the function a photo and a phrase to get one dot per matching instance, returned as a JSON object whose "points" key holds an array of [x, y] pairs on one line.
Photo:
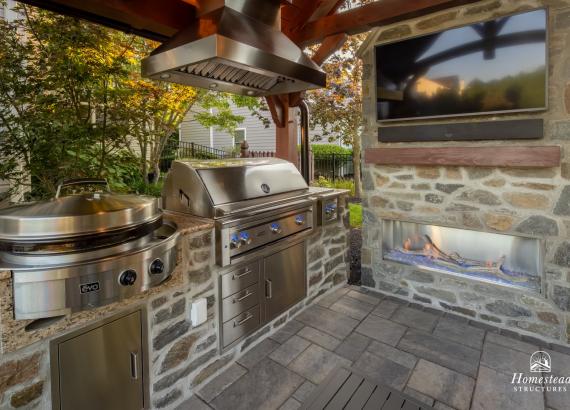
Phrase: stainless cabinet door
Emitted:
{"points": [[102, 368], [285, 279]]}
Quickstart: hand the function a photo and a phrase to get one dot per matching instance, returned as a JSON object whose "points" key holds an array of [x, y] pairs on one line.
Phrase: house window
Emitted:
{"points": [[239, 137]]}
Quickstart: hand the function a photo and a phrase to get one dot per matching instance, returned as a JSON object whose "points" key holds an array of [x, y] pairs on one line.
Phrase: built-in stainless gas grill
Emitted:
{"points": [[263, 211], [255, 202]]}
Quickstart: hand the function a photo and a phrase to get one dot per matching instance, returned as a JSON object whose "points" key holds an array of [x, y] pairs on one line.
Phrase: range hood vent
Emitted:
{"points": [[235, 46]]}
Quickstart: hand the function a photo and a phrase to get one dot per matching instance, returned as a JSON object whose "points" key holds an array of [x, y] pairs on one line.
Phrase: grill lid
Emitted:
{"points": [[201, 187], [76, 215]]}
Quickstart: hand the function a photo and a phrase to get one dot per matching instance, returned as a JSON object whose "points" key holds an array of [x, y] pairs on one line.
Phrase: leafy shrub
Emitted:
{"points": [[355, 215], [336, 184], [142, 188], [324, 149]]}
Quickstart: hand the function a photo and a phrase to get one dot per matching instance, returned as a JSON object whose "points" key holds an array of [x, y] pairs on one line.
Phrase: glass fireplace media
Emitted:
{"points": [[507, 260]]}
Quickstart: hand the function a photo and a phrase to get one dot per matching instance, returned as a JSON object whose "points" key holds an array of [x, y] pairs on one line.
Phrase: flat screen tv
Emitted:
{"points": [[494, 66]]}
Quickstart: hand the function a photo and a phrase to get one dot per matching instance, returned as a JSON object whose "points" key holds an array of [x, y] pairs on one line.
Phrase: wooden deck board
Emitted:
{"points": [[346, 389]]}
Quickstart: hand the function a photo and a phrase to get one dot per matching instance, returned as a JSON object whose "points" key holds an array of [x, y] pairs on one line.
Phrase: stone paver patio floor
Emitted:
{"points": [[443, 360]]}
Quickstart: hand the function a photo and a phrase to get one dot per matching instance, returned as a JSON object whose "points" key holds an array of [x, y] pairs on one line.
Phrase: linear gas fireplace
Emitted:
{"points": [[506, 260]]}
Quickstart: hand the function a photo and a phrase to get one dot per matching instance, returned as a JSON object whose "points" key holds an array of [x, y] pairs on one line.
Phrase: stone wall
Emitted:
{"points": [[328, 258], [24, 359], [507, 200], [182, 357]]}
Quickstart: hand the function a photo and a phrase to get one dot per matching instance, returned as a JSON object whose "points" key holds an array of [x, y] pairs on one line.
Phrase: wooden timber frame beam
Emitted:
{"points": [[147, 18], [364, 18], [300, 12]]}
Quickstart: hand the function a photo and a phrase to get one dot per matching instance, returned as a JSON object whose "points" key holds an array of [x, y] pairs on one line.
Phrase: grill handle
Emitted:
{"points": [[81, 181]]}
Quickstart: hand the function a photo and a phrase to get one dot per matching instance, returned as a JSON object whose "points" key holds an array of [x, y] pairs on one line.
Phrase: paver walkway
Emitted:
{"points": [[443, 360]]}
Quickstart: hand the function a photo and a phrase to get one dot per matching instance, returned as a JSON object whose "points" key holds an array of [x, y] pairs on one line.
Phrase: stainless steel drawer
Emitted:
{"points": [[240, 326], [240, 279], [238, 302]]}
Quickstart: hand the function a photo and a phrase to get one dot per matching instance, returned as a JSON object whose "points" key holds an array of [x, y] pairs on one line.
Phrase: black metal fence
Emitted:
{"points": [[179, 150], [333, 166]]}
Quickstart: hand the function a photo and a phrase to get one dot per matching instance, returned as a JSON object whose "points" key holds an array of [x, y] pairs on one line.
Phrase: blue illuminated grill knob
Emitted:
{"points": [[275, 227], [234, 241], [244, 238], [300, 219]]}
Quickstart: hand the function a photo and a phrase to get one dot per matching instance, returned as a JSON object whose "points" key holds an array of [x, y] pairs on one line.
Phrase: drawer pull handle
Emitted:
{"points": [[241, 322], [247, 294], [134, 366], [268, 289], [239, 275]]}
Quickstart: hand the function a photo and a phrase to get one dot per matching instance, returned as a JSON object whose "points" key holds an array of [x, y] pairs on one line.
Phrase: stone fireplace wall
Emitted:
{"points": [[533, 202]]}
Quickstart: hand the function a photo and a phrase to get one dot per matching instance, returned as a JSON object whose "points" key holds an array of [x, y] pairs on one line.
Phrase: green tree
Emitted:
{"points": [[337, 109], [73, 104], [155, 110], [58, 99]]}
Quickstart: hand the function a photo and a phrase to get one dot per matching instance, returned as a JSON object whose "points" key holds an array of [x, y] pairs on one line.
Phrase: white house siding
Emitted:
{"points": [[258, 136], [192, 131]]}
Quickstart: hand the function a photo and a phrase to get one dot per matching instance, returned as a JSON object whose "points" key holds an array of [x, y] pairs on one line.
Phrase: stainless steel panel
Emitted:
{"points": [[328, 210], [284, 274], [202, 187], [240, 326], [239, 302], [76, 215], [239, 279], [102, 368], [42, 293], [248, 178], [270, 230], [291, 221], [271, 62], [41, 260]]}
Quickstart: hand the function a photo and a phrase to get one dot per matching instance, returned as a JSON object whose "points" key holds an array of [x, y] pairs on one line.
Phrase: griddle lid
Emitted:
{"points": [[76, 215]]}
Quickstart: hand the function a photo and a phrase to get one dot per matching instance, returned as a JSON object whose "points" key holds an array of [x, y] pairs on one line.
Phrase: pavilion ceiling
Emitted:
{"points": [[304, 21]]}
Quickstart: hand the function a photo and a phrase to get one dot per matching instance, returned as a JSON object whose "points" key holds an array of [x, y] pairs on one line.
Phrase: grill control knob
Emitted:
{"points": [[300, 219], [330, 209], [156, 267], [128, 278], [244, 238], [275, 227], [234, 241]]}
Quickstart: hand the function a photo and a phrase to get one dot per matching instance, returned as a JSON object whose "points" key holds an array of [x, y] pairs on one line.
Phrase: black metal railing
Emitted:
{"points": [[333, 166], [180, 150]]}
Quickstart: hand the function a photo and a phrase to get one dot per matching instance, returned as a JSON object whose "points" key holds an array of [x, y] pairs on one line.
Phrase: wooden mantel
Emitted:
{"points": [[488, 156]]}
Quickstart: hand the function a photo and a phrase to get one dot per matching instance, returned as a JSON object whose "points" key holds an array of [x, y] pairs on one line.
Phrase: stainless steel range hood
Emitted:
{"points": [[235, 46]]}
